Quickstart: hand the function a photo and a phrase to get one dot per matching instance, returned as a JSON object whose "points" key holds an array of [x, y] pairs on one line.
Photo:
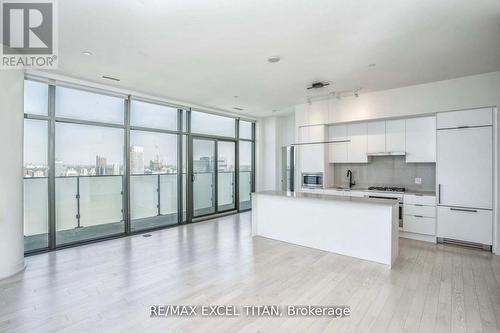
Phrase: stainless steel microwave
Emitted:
{"points": [[312, 180]]}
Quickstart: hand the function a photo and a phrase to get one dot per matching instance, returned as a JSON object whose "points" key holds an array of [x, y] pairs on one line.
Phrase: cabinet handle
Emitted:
{"points": [[418, 216], [419, 205], [439, 193], [464, 210]]}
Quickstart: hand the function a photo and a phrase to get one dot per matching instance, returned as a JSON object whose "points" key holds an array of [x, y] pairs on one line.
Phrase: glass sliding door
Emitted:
{"points": [[203, 178], [226, 167], [213, 177]]}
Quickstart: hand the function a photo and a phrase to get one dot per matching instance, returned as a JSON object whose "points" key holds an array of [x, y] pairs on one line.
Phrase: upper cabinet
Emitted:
{"points": [[312, 156], [337, 151], [465, 118], [376, 137], [421, 140], [395, 136], [386, 137], [357, 147], [353, 151]]}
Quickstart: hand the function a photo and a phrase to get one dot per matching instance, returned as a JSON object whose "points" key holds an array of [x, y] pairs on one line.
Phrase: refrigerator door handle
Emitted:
{"points": [[439, 193], [464, 210]]}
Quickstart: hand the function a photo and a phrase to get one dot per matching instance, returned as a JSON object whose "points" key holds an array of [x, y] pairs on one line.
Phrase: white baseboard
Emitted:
{"points": [[419, 237]]}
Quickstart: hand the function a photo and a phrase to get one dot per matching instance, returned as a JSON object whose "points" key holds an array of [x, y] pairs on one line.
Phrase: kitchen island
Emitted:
{"points": [[359, 227]]}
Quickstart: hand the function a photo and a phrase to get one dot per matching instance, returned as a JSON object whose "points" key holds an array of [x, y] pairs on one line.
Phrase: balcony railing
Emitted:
{"points": [[88, 201]]}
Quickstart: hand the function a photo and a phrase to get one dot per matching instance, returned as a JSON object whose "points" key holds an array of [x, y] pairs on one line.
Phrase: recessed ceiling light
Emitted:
{"points": [[237, 108], [87, 53], [110, 78], [372, 65], [273, 59]]}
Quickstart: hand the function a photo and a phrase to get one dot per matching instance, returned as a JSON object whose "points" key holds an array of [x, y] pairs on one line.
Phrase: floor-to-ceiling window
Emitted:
{"points": [[99, 164], [153, 165], [88, 165]]}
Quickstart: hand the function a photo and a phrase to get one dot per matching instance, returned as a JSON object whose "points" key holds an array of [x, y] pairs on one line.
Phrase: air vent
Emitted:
{"points": [[110, 78]]}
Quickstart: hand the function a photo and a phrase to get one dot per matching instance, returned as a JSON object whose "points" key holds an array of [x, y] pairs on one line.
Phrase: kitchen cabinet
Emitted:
{"points": [[464, 174], [465, 118], [376, 137], [334, 191], [464, 168], [419, 214], [395, 136], [353, 151], [312, 156], [420, 225], [357, 147], [337, 151], [421, 140], [470, 225]]}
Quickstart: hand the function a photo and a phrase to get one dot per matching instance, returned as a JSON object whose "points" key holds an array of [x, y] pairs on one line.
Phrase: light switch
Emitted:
{"points": [[418, 180]]}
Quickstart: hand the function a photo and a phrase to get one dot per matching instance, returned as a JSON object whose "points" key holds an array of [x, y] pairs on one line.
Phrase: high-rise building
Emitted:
{"points": [[100, 165], [59, 169], [136, 160], [116, 169]]}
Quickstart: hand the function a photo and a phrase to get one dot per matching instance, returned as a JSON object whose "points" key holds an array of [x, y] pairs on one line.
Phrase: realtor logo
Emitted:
{"points": [[28, 34]]}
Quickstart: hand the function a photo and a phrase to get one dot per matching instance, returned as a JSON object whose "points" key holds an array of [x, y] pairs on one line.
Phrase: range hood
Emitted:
{"points": [[386, 153]]}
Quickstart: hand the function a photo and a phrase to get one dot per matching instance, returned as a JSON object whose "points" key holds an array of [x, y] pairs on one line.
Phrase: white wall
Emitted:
{"points": [[460, 93], [272, 134], [11, 172]]}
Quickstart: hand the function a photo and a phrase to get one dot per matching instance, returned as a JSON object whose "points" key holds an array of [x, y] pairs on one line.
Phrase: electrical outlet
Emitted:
{"points": [[418, 180]]}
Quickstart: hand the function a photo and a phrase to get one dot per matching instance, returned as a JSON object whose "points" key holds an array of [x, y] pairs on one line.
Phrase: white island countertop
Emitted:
{"points": [[360, 227], [327, 197]]}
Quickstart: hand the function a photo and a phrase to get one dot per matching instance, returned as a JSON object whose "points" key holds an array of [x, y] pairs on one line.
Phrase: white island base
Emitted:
{"points": [[363, 228]]}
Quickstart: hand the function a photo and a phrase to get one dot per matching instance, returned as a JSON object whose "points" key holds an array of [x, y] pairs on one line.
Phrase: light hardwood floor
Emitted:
{"points": [[108, 287]]}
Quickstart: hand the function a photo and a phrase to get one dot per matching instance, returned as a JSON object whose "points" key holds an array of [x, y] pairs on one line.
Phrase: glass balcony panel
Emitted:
{"points": [[66, 204], [225, 190], [203, 193], [36, 224], [245, 189], [143, 196], [245, 182], [101, 203], [168, 198]]}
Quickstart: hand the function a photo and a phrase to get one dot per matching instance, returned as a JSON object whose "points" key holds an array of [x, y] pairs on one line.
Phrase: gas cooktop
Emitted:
{"points": [[387, 188]]}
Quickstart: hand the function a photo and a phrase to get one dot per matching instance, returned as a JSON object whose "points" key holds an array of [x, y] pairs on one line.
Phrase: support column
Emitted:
{"points": [[11, 172]]}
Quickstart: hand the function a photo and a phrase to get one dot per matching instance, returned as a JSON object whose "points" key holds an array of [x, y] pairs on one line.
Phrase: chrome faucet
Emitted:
{"points": [[349, 175]]}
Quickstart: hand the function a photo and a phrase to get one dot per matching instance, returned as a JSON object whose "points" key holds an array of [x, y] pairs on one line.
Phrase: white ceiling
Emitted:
{"points": [[208, 51]]}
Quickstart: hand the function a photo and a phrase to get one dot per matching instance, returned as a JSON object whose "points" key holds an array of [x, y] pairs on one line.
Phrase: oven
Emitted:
{"points": [[399, 198], [312, 180]]}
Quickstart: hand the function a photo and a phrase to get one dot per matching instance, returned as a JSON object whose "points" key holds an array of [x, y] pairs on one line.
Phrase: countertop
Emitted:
{"points": [[365, 189], [328, 197]]}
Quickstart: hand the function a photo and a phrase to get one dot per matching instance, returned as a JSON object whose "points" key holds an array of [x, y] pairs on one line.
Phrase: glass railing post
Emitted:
{"points": [[78, 202], [159, 196]]}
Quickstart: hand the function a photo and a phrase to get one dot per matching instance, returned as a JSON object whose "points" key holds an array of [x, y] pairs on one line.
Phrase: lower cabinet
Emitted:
{"points": [[470, 225], [419, 224], [419, 214]]}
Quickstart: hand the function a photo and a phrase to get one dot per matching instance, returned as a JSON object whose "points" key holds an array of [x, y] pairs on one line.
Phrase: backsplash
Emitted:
{"points": [[387, 170]]}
